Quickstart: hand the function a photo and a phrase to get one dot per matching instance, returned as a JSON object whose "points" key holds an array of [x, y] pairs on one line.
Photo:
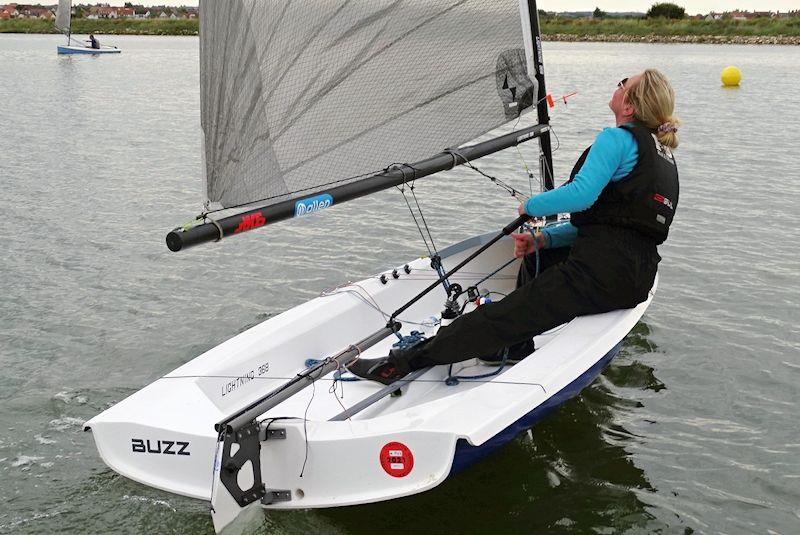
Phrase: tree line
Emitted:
{"points": [[666, 10]]}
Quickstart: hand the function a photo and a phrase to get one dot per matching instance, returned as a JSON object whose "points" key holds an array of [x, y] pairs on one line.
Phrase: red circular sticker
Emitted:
{"points": [[396, 459]]}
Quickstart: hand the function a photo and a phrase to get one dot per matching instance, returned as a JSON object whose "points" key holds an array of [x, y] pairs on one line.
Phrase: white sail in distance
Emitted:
{"points": [[64, 16], [298, 95]]}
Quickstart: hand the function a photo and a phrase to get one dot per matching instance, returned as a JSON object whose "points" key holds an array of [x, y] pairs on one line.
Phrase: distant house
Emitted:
{"points": [[747, 15], [110, 12], [9, 11], [163, 15], [31, 12]]}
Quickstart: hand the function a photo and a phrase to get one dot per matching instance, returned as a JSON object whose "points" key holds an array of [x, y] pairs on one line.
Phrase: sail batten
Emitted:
{"points": [[297, 94]]}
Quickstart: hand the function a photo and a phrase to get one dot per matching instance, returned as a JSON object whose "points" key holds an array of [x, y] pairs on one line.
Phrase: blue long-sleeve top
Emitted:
{"points": [[613, 156]]}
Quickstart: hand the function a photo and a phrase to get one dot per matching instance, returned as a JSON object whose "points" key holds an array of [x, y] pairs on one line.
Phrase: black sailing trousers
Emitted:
{"points": [[607, 268]]}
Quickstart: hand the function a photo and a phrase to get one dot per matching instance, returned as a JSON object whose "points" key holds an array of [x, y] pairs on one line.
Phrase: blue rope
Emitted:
{"points": [[409, 341], [535, 250], [453, 380]]}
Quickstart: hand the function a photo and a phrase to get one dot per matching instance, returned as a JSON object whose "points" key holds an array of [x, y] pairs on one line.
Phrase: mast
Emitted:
{"points": [[215, 230], [530, 12]]}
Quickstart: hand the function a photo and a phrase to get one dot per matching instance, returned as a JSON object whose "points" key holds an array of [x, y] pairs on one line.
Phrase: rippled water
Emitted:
{"points": [[692, 428]]}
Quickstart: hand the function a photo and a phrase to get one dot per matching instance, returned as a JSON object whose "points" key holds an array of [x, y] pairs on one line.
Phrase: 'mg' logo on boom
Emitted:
{"points": [[249, 222]]}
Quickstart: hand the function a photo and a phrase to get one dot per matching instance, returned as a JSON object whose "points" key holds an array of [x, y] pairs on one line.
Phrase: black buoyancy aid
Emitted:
{"points": [[644, 200]]}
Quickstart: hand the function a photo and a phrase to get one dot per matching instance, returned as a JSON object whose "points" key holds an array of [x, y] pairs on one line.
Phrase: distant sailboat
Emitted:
{"points": [[63, 22]]}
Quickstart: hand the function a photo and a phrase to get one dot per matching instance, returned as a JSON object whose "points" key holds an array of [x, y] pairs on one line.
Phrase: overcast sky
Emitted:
{"points": [[692, 6]]}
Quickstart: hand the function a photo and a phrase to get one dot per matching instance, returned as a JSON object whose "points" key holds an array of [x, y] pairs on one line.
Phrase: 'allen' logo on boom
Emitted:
{"points": [[249, 222], [312, 204]]}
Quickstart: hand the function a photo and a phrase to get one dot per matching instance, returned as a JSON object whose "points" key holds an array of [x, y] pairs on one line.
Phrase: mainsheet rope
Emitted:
{"points": [[433, 253]]}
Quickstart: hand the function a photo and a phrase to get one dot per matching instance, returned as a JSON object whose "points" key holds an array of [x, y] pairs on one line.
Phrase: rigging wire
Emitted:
{"points": [[513, 191], [401, 167], [332, 379], [531, 177], [433, 253], [305, 423]]}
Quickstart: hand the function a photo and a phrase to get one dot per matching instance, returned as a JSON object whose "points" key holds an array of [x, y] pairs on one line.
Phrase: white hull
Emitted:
{"points": [[71, 49], [444, 427]]}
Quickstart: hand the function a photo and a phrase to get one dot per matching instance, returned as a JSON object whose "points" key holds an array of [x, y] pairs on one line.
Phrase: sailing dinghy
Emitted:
{"points": [[306, 105], [63, 23]]}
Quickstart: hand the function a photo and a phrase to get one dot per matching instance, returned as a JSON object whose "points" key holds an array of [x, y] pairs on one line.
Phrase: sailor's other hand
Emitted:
{"points": [[521, 209], [523, 244]]}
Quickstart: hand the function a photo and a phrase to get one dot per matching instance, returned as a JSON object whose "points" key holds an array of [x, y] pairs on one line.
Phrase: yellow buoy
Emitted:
{"points": [[731, 76]]}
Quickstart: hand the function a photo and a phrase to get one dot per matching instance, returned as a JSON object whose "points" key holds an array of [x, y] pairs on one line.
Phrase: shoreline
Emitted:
{"points": [[788, 40], [676, 39], [758, 32]]}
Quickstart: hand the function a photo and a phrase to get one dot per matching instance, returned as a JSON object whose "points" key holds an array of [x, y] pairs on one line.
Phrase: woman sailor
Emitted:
{"points": [[622, 196]]}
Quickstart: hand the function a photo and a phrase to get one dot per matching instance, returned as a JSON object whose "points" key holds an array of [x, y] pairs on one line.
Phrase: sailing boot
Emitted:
{"points": [[384, 370], [509, 355]]}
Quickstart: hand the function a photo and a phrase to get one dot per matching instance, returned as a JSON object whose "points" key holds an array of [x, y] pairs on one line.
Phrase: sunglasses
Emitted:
{"points": [[622, 82]]}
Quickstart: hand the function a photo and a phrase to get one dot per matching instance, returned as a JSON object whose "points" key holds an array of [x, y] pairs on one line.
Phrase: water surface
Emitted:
{"points": [[692, 428]]}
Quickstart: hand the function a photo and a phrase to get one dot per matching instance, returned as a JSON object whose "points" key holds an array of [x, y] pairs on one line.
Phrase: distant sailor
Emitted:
{"points": [[93, 43], [622, 195]]}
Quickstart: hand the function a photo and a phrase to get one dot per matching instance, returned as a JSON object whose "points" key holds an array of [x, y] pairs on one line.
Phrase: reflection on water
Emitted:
{"points": [[627, 372]]}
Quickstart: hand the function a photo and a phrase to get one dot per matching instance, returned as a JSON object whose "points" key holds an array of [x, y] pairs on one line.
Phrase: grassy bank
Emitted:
{"points": [[106, 26], [557, 28], [668, 28]]}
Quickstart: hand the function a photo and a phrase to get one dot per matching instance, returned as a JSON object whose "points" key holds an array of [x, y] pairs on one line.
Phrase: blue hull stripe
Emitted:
{"points": [[467, 454]]}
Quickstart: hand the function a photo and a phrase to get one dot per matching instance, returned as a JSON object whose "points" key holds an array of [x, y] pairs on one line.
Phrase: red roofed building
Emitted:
{"points": [[109, 12]]}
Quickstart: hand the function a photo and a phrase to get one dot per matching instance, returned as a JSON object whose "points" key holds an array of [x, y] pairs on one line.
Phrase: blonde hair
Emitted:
{"points": [[654, 102]]}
